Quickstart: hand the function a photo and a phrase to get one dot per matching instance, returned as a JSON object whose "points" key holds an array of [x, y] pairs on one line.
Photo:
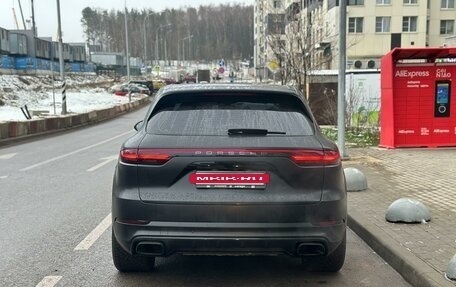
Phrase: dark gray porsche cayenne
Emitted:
{"points": [[228, 169]]}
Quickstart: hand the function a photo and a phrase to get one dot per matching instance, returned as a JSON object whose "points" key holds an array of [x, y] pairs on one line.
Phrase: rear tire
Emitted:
{"points": [[331, 263], [126, 262]]}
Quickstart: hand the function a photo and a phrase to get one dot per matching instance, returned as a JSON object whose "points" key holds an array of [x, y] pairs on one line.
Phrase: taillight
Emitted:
{"points": [[145, 156], [129, 155], [161, 156], [310, 157]]}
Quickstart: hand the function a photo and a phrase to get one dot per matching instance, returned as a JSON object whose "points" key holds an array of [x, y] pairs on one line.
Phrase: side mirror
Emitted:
{"points": [[138, 125]]}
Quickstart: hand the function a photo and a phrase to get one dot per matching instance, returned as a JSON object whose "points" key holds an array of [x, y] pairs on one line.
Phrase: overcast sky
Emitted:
{"points": [[46, 12]]}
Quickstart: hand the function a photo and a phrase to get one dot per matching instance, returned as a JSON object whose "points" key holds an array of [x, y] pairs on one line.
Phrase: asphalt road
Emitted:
{"points": [[55, 200]]}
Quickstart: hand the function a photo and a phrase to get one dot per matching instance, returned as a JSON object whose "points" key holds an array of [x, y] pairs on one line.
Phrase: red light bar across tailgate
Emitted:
{"points": [[160, 156]]}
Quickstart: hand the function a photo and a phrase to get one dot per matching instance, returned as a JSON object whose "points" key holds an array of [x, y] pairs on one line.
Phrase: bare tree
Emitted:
{"points": [[224, 31], [299, 51]]}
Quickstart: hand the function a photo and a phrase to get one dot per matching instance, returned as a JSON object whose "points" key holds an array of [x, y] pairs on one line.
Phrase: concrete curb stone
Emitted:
{"points": [[413, 269]]}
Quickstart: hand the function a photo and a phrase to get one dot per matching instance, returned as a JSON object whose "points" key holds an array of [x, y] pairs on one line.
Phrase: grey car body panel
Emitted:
{"points": [[290, 210]]}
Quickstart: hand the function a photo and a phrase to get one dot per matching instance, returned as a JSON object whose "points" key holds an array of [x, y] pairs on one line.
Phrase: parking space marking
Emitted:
{"points": [[95, 234], [49, 281], [105, 162], [73, 152]]}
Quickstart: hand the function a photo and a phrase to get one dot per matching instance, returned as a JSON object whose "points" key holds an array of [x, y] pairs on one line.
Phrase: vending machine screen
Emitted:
{"points": [[442, 93], [442, 99]]}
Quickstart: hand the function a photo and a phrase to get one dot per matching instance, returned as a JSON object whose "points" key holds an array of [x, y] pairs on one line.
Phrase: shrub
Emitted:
{"points": [[355, 136]]}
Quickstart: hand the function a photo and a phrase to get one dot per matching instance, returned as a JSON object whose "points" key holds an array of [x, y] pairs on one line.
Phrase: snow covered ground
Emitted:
{"points": [[84, 94]]}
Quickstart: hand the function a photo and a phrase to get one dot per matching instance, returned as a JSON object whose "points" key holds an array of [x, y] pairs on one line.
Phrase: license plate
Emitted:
{"points": [[250, 180]]}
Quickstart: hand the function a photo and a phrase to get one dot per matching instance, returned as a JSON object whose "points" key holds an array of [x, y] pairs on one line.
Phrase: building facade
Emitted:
{"points": [[269, 26], [374, 27]]}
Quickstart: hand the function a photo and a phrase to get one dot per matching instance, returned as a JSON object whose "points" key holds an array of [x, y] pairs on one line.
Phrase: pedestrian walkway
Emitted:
{"points": [[420, 252]]}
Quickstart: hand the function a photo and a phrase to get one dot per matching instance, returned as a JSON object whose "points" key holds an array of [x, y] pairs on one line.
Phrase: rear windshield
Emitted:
{"points": [[215, 114]]}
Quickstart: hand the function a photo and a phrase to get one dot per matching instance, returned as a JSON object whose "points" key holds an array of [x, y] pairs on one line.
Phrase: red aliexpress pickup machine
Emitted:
{"points": [[418, 98]]}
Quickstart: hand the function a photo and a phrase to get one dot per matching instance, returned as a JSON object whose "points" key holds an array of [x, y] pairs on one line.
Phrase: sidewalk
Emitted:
{"points": [[419, 252]]}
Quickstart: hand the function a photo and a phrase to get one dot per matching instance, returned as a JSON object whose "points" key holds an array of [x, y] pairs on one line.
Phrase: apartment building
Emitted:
{"points": [[269, 25], [374, 27]]}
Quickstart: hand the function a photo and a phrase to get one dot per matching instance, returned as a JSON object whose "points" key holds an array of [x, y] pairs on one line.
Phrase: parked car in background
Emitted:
{"points": [[145, 83], [121, 93], [189, 79], [139, 89], [169, 81], [158, 84], [251, 174], [125, 89]]}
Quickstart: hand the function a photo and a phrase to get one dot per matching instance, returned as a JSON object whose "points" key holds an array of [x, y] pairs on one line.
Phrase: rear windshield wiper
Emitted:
{"points": [[253, 132]]}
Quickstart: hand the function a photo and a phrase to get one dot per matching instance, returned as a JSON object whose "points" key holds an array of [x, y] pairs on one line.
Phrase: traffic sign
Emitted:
{"points": [[273, 66]]}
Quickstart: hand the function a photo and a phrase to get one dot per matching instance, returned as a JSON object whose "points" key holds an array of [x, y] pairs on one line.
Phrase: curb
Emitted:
{"points": [[16, 131], [413, 269]]}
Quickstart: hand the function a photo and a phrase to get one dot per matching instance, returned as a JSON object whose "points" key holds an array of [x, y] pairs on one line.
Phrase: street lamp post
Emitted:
{"points": [[156, 40], [182, 50], [145, 40], [166, 55], [62, 68], [33, 17], [341, 80], [156, 45], [165, 48], [178, 49], [183, 46], [126, 43]]}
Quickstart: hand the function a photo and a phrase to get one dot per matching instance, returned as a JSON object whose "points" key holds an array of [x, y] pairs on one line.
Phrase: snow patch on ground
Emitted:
{"points": [[82, 94]]}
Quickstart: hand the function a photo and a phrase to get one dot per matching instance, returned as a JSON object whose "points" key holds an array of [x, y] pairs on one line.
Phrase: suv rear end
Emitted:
{"points": [[229, 170]]}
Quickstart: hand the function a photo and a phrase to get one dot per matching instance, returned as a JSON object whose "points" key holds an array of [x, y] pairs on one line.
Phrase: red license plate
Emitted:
{"points": [[229, 179]]}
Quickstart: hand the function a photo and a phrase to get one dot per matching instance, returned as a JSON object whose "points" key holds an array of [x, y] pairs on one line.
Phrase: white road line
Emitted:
{"points": [[49, 281], [95, 234], [73, 152], [7, 156], [107, 160], [3, 176]]}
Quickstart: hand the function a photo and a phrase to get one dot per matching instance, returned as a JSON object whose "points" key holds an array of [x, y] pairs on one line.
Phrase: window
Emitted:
{"points": [[382, 24], [383, 2], [355, 2], [349, 2], [408, 2], [409, 23], [446, 27], [277, 4], [447, 4], [355, 25], [205, 114]]}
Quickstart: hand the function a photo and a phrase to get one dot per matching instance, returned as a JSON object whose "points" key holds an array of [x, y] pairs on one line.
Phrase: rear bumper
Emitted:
{"points": [[167, 238], [166, 228]]}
